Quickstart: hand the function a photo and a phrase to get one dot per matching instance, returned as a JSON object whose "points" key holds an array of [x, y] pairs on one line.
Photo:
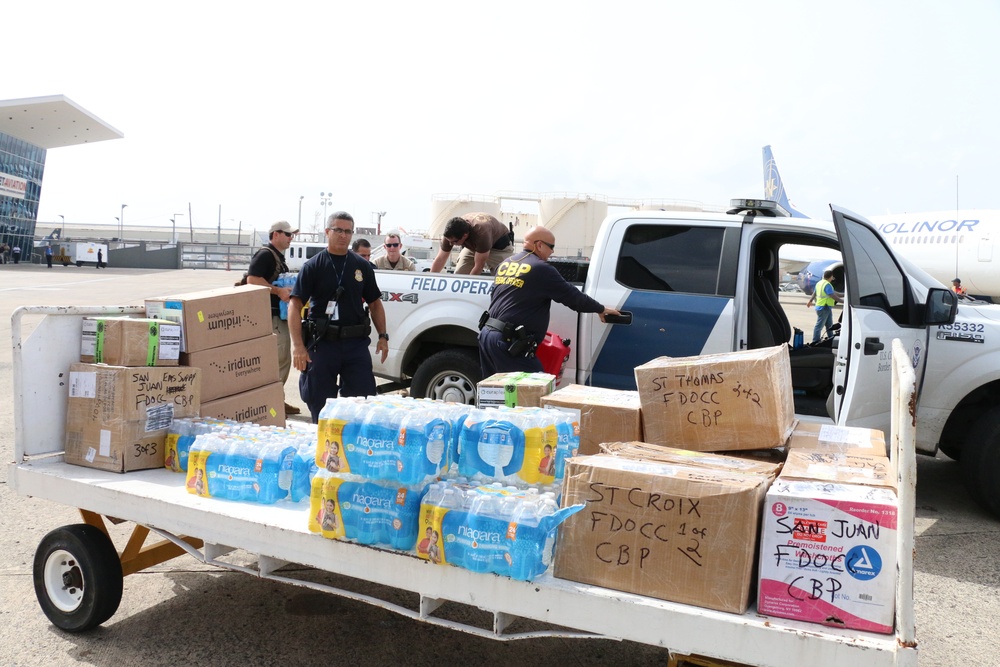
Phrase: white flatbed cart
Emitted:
{"points": [[78, 571]]}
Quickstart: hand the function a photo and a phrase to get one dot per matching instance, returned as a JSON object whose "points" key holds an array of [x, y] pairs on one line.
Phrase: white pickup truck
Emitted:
{"points": [[700, 283]]}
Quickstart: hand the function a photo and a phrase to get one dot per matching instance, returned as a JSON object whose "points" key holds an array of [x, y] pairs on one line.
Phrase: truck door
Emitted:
{"points": [[677, 278], [879, 306]]}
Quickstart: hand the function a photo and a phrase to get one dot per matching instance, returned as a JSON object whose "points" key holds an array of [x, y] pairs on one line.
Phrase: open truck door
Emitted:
{"points": [[879, 305]]}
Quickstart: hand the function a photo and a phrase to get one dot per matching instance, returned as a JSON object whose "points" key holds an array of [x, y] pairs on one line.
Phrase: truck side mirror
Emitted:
{"points": [[941, 306]]}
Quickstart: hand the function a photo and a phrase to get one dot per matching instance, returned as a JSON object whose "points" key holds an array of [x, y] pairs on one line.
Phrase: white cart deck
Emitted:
{"points": [[277, 535]]}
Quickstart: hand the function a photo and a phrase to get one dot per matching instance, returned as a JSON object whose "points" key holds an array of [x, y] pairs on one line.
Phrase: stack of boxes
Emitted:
{"points": [[124, 397], [227, 333]]}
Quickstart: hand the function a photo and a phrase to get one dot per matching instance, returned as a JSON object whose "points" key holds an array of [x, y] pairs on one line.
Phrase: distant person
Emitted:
{"points": [[485, 242], [524, 288], [824, 297], [956, 286], [4, 253], [364, 248], [16, 252], [265, 266], [393, 260], [100, 257], [48, 256]]}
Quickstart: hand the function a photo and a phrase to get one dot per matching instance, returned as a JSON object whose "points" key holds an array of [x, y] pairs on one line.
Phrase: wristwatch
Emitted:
{"points": [[384, 336]]}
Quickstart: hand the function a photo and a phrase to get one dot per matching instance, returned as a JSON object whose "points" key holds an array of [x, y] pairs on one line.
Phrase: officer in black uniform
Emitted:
{"points": [[330, 347], [524, 287]]}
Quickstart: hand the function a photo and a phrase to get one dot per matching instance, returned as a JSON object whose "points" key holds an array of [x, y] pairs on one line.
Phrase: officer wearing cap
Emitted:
{"points": [[336, 283], [524, 287], [265, 267]]}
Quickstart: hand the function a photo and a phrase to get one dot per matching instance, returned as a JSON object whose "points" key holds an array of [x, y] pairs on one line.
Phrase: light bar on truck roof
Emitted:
{"points": [[758, 207]]}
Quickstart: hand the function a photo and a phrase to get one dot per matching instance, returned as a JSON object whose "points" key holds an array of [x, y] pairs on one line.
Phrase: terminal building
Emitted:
{"points": [[29, 128]]}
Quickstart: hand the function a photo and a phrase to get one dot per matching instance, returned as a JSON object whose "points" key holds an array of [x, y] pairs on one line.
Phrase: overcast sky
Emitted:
{"points": [[877, 106]]}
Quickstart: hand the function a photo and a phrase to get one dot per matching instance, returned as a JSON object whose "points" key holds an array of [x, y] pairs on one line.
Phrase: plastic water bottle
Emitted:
{"points": [[798, 341]]}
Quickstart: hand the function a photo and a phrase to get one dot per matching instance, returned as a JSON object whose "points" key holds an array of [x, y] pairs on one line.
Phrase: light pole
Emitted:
{"points": [[121, 223], [62, 232], [301, 197], [325, 198], [378, 227], [173, 233]]}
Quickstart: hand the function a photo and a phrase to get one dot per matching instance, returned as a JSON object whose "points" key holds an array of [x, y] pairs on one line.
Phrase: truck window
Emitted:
{"points": [[671, 259], [880, 281]]}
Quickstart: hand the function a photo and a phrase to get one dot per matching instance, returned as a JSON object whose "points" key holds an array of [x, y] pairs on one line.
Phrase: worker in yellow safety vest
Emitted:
{"points": [[824, 297]]}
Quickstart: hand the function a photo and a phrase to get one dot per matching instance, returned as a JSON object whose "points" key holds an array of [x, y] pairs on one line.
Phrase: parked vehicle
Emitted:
{"points": [[79, 253], [699, 283]]}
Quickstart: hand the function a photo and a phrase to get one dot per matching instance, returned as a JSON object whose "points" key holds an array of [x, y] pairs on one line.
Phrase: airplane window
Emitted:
{"points": [[671, 259]]}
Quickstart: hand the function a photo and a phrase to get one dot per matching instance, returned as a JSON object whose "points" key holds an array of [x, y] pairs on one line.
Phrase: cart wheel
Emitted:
{"points": [[78, 577]]}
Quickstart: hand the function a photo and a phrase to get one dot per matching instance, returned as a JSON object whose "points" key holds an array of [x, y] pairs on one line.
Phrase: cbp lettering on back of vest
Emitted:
{"points": [[824, 297], [524, 287]]}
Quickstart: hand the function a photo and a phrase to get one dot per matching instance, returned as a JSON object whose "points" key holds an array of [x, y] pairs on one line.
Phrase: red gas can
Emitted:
{"points": [[553, 352]]}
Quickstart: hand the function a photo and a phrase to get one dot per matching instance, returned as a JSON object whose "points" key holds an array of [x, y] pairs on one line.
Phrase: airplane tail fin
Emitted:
{"points": [[774, 188]]}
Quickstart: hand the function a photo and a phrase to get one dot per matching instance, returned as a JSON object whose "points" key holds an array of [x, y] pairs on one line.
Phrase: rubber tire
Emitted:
{"points": [[86, 555], [448, 375], [952, 450], [981, 461]]}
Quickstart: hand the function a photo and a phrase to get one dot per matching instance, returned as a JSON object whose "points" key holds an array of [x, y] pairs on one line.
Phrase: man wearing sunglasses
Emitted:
{"points": [[485, 242], [524, 287], [393, 260], [330, 347], [265, 267]]}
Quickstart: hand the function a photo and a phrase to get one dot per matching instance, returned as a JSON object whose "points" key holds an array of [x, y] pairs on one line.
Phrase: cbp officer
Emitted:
{"points": [[330, 347], [524, 287]]}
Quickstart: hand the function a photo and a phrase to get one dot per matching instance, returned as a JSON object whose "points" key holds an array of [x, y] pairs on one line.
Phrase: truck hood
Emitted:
{"points": [[983, 310]]}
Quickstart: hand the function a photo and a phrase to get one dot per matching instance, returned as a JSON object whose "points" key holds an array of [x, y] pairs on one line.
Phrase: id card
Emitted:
{"points": [[333, 310]]}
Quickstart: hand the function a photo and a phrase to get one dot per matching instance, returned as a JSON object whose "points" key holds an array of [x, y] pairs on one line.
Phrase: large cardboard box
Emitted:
{"points": [[644, 451], [839, 439], [828, 542], [676, 532], [513, 389], [130, 341], [216, 317], [718, 402], [603, 415], [235, 368], [263, 405], [117, 417]]}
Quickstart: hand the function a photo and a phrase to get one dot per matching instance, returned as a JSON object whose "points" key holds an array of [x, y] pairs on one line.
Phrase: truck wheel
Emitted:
{"points": [[448, 375], [78, 577], [981, 461]]}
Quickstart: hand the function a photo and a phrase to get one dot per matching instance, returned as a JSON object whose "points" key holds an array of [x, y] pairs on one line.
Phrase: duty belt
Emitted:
{"points": [[354, 331], [499, 325]]}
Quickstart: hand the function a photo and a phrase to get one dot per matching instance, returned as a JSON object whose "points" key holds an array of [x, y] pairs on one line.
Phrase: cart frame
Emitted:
{"points": [[209, 529]]}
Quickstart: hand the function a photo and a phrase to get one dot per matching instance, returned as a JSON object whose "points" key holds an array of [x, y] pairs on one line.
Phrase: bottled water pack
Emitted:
{"points": [[369, 512], [493, 528]]}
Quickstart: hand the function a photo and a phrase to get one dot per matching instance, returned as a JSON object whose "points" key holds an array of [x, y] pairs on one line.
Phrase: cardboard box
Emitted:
{"points": [[263, 405], [643, 451], [233, 369], [866, 469], [216, 317], [117, 417], [841, 439], [130, 341], [676, 532], [828, 554], [513, 389], [718, 402], [603, 415]]}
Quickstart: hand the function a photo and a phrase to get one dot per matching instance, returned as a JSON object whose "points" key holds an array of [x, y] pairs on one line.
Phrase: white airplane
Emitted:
{"points": [[946, 244]]}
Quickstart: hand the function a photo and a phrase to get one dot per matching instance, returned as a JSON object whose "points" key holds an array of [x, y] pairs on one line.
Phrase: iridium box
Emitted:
{"points": [[235, 368], [216, 317]]}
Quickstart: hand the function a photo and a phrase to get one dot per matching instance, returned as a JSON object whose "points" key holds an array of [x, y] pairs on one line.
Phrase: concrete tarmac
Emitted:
{"points": [[183, 612]]}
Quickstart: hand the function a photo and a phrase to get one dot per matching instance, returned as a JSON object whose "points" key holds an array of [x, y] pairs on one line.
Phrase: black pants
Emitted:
{"points": [[494, 358]]}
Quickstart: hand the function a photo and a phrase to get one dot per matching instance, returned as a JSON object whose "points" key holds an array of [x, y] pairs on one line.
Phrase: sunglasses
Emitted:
{"points": [[288, 234], [338, 230], [547, 244], [391, 245]]}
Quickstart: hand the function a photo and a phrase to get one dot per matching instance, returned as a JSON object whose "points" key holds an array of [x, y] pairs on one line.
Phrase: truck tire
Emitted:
{"points": [[981, 461], [78, 577], [448, 375]]}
